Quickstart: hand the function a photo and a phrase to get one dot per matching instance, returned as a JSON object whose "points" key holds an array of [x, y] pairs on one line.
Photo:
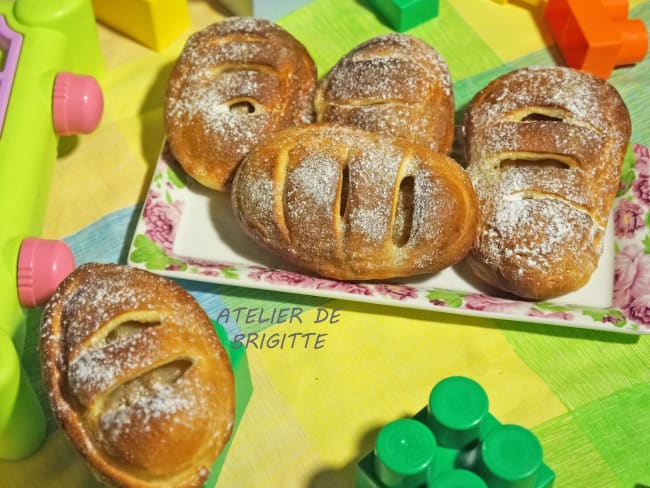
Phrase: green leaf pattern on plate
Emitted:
{"points": [[152, 256], [446, 298], [153, 242]]}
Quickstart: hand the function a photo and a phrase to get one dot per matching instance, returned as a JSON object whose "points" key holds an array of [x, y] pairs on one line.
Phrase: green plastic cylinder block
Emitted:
{"points": [[511, 457], [457, 408], [404, 454], [458, 478]]}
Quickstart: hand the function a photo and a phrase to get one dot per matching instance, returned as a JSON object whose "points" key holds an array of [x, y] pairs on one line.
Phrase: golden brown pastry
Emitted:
{"points": [[394, 84], [137, 377], [235, 83], [544, 148], [355, 205]]}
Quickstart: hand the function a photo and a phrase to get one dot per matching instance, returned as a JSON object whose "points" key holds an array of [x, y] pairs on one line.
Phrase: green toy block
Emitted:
{"points": [[454, 442], [22, 420], [243, 392], [402, 15], [38, 40]]}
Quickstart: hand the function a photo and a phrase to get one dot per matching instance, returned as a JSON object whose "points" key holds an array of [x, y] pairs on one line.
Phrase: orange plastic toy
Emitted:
{"points": [[534, 3], [596, 35]]}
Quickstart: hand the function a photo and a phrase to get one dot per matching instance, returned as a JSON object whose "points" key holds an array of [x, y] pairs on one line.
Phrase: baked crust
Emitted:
{"points": [[395, 84], [136, 377], [544, 148], [235, 83], [355, 205]]}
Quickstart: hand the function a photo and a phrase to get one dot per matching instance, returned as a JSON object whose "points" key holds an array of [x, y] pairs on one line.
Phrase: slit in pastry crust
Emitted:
{"points": [[404, 212]]}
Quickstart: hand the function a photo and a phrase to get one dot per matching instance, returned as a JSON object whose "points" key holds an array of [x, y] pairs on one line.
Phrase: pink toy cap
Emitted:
{"points": [[42, 266], [77, 104]]}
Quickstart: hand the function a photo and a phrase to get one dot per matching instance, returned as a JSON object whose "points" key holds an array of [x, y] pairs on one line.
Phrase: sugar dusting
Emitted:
{"points": [[239, 60], [536, 218], [129, 384], [376, 166], [90, 307], [375, 79], [583, 101], [381, 64], [373, 175], [317, 177], [394, 84], [538, 231], [145, 407], [93, 363], [96, 370]]}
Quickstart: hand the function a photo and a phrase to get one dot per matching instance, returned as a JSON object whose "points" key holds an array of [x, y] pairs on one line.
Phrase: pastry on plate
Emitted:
{"points": [[234, 84], [395, 84], [136, 377], [544, 148], [349, 204]]}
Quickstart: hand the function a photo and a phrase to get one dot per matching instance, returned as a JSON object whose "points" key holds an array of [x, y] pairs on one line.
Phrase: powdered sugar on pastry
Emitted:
{"points": [[394, 84], [235, 83], [136, 376], [351, 204], [544, 149]]}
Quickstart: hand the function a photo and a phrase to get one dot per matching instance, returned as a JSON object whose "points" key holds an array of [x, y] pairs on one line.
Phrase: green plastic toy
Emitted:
{"points": [[403, 15], [243, 393], [43, 44], [454, 442]]}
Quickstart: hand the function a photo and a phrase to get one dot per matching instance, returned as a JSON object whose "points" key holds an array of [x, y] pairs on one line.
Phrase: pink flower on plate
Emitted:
{"points": [[346, 287], [641, 188], [396, 292], [642, 160], [208, 269], [628, 218], [161, 219], [279, 277], [639, 310], [631, 276], [550, 315], [486, 303]]}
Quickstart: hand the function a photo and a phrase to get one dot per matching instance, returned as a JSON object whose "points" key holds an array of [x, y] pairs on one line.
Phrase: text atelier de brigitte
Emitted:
{"points": [[280, 315]]}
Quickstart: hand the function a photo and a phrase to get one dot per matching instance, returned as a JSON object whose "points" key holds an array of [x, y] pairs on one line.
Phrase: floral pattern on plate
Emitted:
{"points": [[632, 224], [152, 249]]}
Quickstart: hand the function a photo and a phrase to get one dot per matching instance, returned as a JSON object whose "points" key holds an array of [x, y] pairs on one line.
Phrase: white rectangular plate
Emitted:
{"points": [[188, 231]]}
